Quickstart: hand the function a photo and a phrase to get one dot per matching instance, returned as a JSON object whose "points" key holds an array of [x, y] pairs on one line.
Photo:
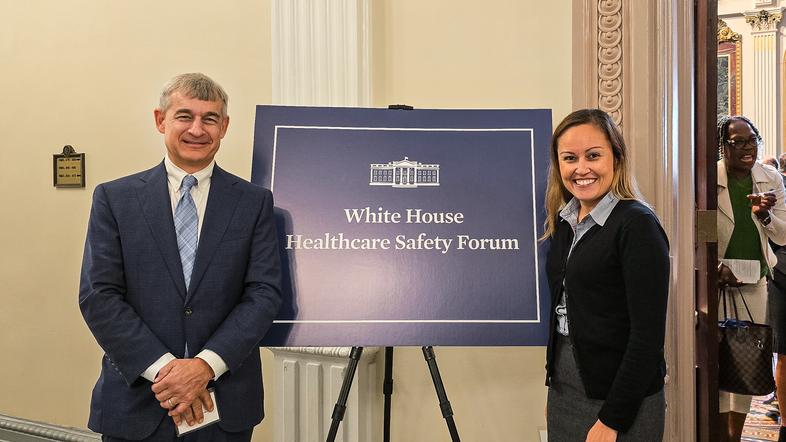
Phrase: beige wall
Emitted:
{"points": [[469, 54], [88, 73]]}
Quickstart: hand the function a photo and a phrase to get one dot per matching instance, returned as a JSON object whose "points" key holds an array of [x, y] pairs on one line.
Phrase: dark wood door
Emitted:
{"points": [[706, 78]]}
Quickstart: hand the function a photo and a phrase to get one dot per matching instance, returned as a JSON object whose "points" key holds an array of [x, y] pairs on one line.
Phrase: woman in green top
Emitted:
{"points": [[751, 210]]}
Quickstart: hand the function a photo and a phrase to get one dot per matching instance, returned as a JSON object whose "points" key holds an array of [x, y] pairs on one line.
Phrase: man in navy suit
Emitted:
{"points": [[180, 280]]}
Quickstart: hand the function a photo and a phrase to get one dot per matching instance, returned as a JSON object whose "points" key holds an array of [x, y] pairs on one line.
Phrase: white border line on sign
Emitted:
{"points": [[427, 321]]}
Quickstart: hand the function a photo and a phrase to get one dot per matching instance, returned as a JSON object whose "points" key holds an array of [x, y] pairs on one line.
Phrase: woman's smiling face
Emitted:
{"points": [[586, 164]]}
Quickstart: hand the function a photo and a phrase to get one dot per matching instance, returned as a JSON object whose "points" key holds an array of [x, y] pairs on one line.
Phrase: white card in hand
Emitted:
{"points": [[746, 270], [211, 417]]}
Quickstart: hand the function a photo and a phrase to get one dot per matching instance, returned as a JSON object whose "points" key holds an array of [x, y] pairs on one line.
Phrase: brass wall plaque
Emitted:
{"points": [[69, 168]]}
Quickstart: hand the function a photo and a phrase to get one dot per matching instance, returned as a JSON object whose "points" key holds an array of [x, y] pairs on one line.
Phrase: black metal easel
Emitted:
{"points": [[387, 390], [444, 403], [387, 386], [341, 403]]}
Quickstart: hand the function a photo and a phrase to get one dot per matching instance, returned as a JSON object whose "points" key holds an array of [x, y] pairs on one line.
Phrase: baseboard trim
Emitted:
{"points": [[44, 430]]}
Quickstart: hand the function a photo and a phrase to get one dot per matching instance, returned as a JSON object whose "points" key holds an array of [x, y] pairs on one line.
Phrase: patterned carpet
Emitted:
{"points": [[759, 427]]}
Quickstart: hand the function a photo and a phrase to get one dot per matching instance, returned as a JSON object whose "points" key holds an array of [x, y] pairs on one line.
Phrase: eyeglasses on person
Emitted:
{"points": [[741, 143]]}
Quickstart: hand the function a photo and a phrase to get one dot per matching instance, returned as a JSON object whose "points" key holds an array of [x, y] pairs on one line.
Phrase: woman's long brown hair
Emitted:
{"points": [[623, 185]]}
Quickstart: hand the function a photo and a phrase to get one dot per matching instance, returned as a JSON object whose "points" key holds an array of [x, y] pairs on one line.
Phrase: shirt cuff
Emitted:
{"points": [[214, 361], [152, 371]]}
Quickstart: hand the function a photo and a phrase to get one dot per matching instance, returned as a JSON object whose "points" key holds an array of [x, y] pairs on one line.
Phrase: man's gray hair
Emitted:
{"points": [[194, 85]]}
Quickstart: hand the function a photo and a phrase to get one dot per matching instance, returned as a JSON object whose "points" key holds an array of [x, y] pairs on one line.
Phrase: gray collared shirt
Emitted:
{"points": [[570, 213]]}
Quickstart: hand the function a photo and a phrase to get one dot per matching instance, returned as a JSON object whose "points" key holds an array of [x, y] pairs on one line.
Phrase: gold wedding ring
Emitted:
{"points": [[169, 401]]}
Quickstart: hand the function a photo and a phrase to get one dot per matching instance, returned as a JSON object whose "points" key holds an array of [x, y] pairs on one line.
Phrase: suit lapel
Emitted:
{"points": [[157, 210], [221, 203]]}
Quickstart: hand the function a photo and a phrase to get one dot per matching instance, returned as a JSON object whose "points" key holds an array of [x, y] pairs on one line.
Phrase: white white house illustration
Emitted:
{"points": [[404, 174]]}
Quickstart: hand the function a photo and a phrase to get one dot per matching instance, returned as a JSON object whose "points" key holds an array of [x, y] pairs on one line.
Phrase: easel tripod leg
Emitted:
{"points": [[387, 390], [444, 403], [341, 403]]}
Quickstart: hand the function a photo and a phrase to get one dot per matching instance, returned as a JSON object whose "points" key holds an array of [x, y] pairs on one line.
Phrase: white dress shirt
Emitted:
{"points": [[199, 194]]}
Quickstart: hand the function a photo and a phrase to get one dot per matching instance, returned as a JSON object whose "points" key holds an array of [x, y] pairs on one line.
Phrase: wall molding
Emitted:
{"points": [[634, 60], [764, 29], [331, 352], [610, 66], [321, 52], [676, 202], [44, 430], [761, 3], [321, 56]]}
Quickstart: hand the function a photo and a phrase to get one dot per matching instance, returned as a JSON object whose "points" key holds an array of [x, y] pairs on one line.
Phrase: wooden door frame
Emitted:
{"points": [[705, 81]]}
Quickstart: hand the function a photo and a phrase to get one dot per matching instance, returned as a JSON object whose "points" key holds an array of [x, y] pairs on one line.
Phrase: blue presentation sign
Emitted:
{"points": [[407, 227]]}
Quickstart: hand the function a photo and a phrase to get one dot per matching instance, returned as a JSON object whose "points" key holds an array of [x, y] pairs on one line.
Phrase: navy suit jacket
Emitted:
{"points": [[132, 295]]}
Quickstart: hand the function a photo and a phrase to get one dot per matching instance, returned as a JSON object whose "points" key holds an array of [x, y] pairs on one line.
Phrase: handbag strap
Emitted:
{"points": [[734, 305], [726, 292], [745, 304], [722, 295]]}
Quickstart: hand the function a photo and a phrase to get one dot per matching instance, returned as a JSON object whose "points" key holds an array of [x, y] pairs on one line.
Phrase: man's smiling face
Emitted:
{"points": [[192, 130]]}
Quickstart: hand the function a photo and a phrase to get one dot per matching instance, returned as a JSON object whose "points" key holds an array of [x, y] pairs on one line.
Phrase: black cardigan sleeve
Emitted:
{"points": [[644, 255]]}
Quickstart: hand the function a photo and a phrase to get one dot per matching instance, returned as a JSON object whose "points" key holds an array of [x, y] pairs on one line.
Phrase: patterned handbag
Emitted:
{"points": [[744, 352]]}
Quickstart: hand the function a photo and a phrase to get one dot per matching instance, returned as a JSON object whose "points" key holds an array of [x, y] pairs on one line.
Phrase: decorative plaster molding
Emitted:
{"points": [[726, 34], [46, 431], [764, 20], [610, 58], [330, 352], [726, 39]]}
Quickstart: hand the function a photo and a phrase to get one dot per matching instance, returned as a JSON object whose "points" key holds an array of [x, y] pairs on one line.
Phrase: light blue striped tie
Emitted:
{"points": [[186, 227]]}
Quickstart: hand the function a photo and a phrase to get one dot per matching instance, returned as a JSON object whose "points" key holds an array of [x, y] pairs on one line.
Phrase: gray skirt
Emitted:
{"points": [[571, 414]]}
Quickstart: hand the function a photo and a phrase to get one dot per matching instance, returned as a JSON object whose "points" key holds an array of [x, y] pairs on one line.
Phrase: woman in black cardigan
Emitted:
{"points": [[608, 270]]}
